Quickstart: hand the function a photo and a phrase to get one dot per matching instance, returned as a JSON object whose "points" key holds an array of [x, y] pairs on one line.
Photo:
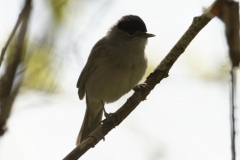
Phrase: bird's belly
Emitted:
{"points": [[108, 84]]}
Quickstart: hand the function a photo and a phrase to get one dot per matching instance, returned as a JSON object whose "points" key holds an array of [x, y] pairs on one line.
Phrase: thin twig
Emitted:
{"points": [[232, 110]]}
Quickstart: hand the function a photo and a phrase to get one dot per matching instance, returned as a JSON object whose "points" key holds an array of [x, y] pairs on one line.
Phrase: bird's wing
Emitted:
{"points": [[89, 67]]}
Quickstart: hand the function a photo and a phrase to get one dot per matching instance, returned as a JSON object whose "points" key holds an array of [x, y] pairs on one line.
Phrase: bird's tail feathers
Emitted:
{"points": [[92, 118]]}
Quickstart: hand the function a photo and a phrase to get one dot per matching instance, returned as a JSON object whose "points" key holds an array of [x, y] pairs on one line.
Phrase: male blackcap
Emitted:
{"points": [[115, 65]]}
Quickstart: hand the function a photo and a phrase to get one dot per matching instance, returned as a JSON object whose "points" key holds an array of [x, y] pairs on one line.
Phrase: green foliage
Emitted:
{"points": [[40, 73], [58, 8], [39, 67]]}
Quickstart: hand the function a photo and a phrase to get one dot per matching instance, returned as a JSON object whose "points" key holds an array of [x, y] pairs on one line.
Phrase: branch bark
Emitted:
{"points": [[152, 80]]}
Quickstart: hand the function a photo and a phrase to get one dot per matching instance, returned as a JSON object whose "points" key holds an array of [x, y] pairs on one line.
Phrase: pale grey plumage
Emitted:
{"points": [[115, 65]]}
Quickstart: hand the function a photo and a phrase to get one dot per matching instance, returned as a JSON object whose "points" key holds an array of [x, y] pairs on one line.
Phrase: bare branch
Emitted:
{"points": [[229, 14], [7, 94], [20, 18]]}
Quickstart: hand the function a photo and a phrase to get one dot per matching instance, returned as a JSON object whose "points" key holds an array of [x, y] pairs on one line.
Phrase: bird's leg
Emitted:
{"points": [[107, 115]]}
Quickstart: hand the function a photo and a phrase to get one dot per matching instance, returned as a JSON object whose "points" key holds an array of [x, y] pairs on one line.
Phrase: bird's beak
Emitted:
{"points": [[148, 35]]}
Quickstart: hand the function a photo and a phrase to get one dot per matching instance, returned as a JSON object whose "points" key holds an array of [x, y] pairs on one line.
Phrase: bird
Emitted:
{"points": [[116, 64]]}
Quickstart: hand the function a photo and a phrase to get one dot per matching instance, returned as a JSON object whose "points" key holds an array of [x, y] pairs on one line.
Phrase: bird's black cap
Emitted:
{"points": [[131, 23]]}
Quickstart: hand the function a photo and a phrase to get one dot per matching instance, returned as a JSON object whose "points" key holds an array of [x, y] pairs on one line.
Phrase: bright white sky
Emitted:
{"points": [[186, 117]]}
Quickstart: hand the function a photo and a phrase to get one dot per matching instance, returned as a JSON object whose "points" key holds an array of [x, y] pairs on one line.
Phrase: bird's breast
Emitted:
{"points": [[115, 75]]}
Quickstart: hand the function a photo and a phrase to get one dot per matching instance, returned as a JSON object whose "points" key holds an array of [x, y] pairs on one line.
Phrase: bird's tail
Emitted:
{"points": [[92, 118]]}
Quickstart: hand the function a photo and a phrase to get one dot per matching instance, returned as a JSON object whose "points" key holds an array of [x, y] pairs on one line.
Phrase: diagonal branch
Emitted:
{"points": [[7, 91], [152, 80], [20, 18]]}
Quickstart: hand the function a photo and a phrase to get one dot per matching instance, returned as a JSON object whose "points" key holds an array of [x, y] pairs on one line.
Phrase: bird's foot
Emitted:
{"points": [[109, 116]]}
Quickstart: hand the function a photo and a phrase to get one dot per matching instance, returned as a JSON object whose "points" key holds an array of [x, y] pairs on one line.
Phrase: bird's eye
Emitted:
{"points": [[131, 32]]}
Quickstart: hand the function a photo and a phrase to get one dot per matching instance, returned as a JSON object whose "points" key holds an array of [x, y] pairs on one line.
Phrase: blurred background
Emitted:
{"points": [[186, 117]]}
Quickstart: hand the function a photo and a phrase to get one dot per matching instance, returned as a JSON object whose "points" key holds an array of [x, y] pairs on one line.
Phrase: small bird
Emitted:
{"points": [[116, 64]]}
